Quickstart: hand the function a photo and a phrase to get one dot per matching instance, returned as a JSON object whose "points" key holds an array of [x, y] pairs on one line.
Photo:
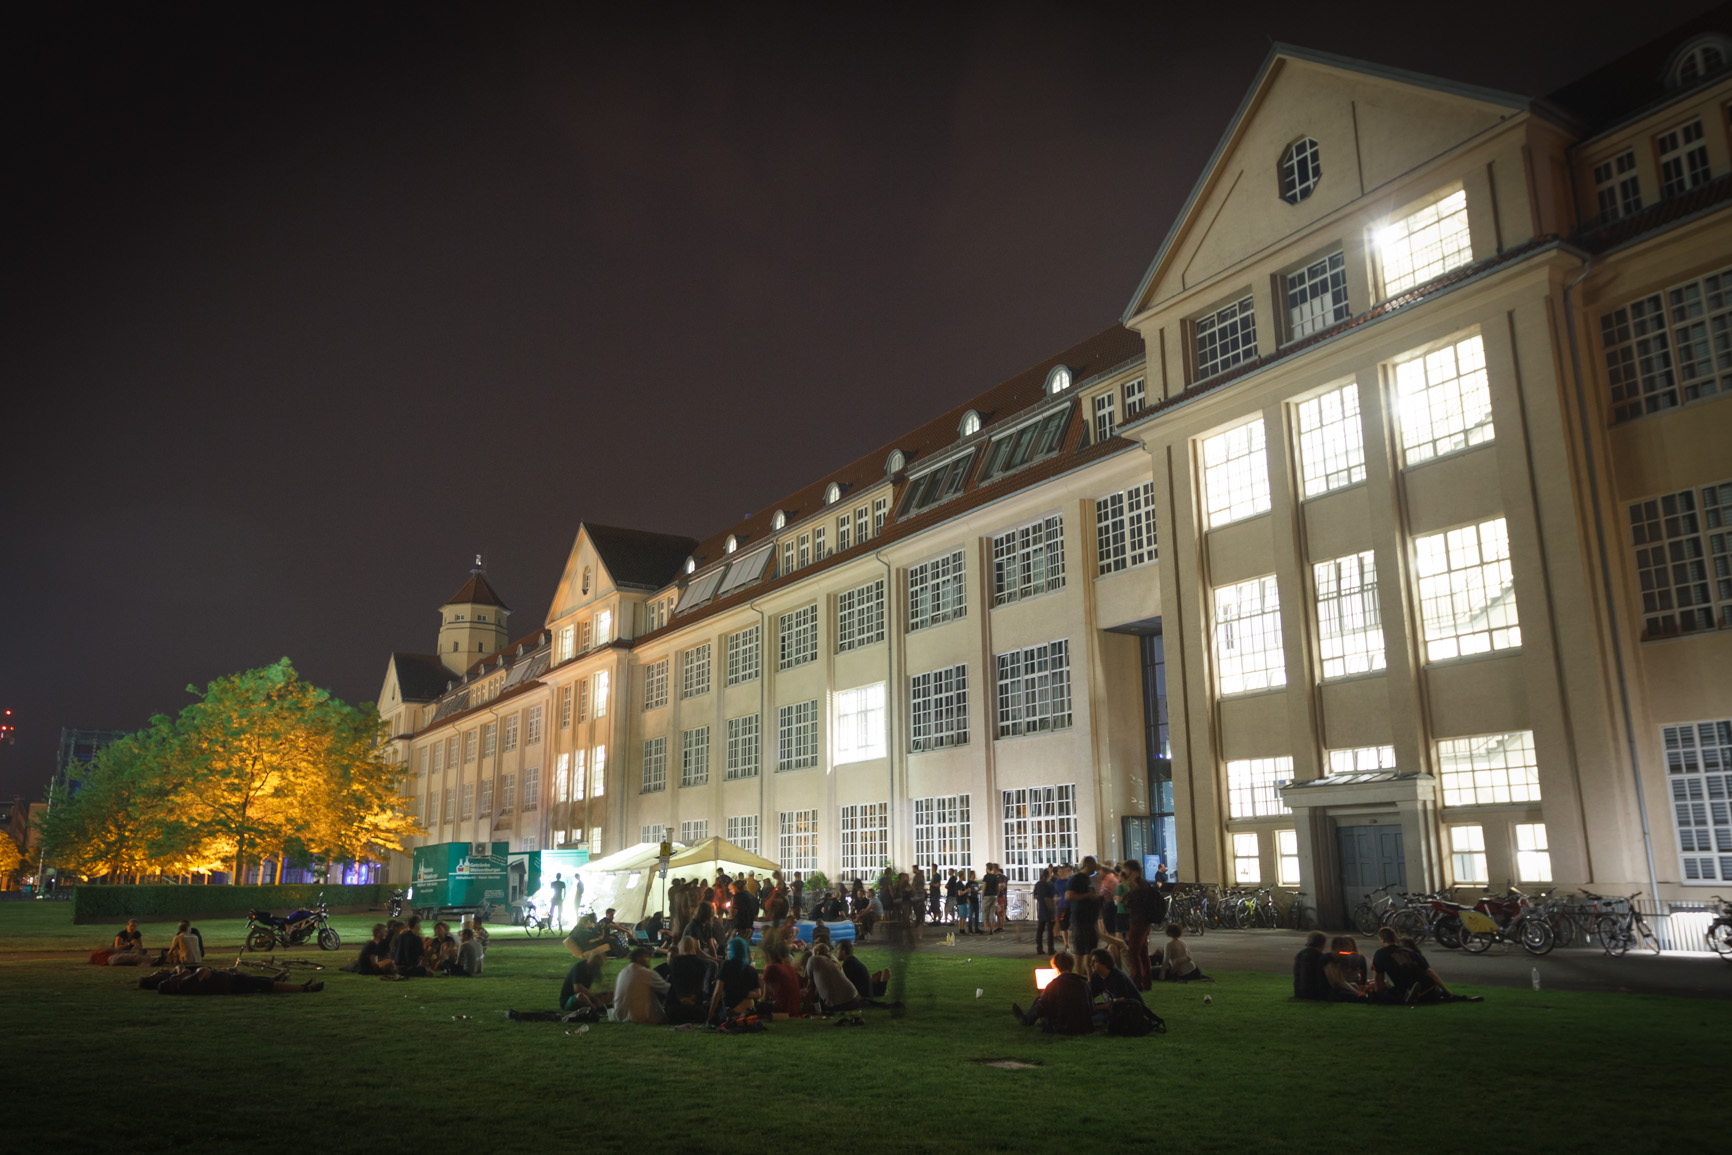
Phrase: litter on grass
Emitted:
{"points": [[1009, 1064]]}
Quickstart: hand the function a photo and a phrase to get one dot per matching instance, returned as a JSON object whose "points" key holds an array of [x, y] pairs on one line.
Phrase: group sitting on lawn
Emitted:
{"points": [[128, 948], [399, 950], [1100, 995], [1398, 974]]}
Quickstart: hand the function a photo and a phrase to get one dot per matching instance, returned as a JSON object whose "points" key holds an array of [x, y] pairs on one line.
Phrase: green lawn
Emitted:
{"points": [[91, 1061]]}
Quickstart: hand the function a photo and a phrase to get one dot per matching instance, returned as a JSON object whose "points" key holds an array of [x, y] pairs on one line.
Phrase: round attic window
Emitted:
{"points": [[733, 543], [895, 462], [832, 493], [1300, 170], [970, 424], [779, 520], [1058, 380], [691, 564], [1701, 58]]}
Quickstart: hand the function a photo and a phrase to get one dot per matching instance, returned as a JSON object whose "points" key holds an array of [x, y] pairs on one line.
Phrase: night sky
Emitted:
{"points": [[303, 309]]}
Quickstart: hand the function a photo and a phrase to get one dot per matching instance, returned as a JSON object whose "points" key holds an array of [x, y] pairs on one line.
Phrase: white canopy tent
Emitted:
{"points": [[630, 880]]}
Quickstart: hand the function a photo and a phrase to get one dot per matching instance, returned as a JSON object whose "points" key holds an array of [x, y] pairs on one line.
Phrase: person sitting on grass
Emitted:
{"points": [[187, 948], [1345, 971], [206, 981], [831, 991], [441, 950], [688, 975], [409, 951], [781, 980], [576, 992], [745, 910], [870, 986], [587, 942], [1063, 1005], [1309, 982], [738, 988], [1108, 981], [1403, 975], [702, 928], [476, 924], [638, 992], [469, 956], [129, 947], [870, 916], [1177, 966]]}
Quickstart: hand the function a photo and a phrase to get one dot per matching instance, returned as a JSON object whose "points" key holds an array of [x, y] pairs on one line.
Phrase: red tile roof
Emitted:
{"points": [[477, 592]]}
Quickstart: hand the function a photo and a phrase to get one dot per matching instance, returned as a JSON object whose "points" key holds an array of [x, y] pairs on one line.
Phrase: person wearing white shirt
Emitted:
{"points": [[638, 992]]}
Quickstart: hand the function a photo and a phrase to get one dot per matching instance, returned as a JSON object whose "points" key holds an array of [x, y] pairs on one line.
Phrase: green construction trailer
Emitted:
{"points": [[457, 878]]}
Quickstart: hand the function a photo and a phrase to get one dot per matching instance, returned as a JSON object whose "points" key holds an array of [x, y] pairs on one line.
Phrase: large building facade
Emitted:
{"points": [[1383, 540]]}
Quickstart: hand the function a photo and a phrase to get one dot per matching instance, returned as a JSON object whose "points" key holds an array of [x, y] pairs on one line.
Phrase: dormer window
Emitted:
{"points": [[733, 543], [1058, 380], [970, 424], [832, 493], [1701, 58], [895, 463], [1301, 169], [691, 564]]}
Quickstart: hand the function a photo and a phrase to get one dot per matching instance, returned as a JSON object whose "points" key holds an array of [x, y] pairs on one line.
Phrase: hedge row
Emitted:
{"points": [[118, 903]]}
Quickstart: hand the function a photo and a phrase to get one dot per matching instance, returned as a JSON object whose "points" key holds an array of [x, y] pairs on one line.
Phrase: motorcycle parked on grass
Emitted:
{"points": [[266, 931]]}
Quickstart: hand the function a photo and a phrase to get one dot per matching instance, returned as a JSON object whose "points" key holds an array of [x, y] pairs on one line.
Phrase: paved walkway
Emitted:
{"points": [[1692, 974]]}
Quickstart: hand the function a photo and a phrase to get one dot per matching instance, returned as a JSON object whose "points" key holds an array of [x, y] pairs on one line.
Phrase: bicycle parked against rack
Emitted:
{"points": [[1300, 915], [1373, 910], [1719, 931], [1627, 928], [1507, 919]]}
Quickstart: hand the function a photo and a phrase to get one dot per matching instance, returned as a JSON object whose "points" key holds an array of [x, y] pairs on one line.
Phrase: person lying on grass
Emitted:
{"points": [[209, 981], [1064, 1005]]}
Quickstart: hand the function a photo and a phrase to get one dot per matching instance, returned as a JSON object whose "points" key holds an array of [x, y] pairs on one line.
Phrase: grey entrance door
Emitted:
{"points": [[1371, 856]]}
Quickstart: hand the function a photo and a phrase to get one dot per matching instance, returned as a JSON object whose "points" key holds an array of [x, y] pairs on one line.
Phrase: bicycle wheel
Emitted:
{"points": [[1365, 919], [1408, 923], [1475, 942], [1448, 932], [1646, 936], [1615, 937], [1720, 940], [1563, 929], [1535, 935], [261, 940]]}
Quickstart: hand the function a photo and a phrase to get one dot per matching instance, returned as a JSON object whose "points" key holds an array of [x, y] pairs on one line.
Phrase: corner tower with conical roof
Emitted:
{"points": [[472, 622]]}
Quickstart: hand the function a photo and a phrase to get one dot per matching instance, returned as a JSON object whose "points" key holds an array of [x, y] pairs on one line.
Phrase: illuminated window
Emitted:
{"points": [[860, 616], [1533, 857], [1493, 768], [654, 833], [1106, 416], [743, 832], [938, 709], [1301, 169], [1287, 858], [1467, 854], [1135, 399], [1030, 442], [584, 632], [1316, 296], [1225, 338], [943, 837], [1349, 623], [468, 810], [1235, 474], [598, 773], [1425, 244], [1683, 159], [583, 700], [1253, 787], [745, 746], [1034, 689], [797, 844], [1443, 401], [744, 649], [1039, 830], [532, 726], [865, 831], [1331, 440], [602, 681], [1467, 601], [797, 635], [880, 512], [1125, 529], [567, 643], [595, 842], [694, 830], [797, 736], [655, 685], [1617, 186], [859, 732], [695, 671], [1248, 648], [937, 591], [604, 627], [562, 779], [532, 788], [565, 708], [1699, 772], [1028, 561], [1362, 760], [579, 774], [1247, 864], [695, 757]]}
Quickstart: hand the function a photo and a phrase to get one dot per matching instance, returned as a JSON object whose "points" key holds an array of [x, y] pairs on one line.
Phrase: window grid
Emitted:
{"points": [[1533, 855], [1317, 296], [583, 700], [602, 681], [860, 616], [1135, 398], [1700, 312], [449, 815], [532, 726], [1425, 244], [1617, 186], [745, 746], [1362, 760], [1443, 399], [797, 736], [1253, 787], [1125, 529], [1301, 169], [510, 739], [937, 591], [1039, 830], [1286, 858], [1672, 564], [695, 757], [743, 832], [880, 511], [1699, 769], [943, 837], [507, 793], [562, 779], [694, 830], [565, 708], [1467, 854], [797, 637], [1028, 443], [598, 773], [468, 804], [1248, 646], [485, 809], [1028, 561], [1247, 862], [1331, 440], [745, 650], [865, 831], [1492, 768], [1225, 338], [1467, 601], [1106, 416], [844, 533], [531, 789], [1034, 689], [1236, 474], [695, 671], [1683, 159], [579, 774], [797, 848], [936, 485], [860, 724], [471, 742], [938, 709], [1349, 622], [655, 685], [654, 833]]}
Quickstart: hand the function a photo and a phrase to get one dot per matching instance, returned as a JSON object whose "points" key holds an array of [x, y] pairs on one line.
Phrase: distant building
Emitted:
{"points": [[78, 748], [1428, 391]]}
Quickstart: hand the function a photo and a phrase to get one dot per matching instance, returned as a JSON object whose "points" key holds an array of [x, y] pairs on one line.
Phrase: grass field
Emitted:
{"points": [[91, 1061]]}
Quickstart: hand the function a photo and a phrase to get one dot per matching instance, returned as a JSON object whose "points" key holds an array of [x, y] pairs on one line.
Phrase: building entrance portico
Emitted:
{"points": [[1358, 832]]}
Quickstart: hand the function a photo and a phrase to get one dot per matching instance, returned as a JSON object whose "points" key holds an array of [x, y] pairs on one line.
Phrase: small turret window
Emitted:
{"points": [[585, 579]]}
